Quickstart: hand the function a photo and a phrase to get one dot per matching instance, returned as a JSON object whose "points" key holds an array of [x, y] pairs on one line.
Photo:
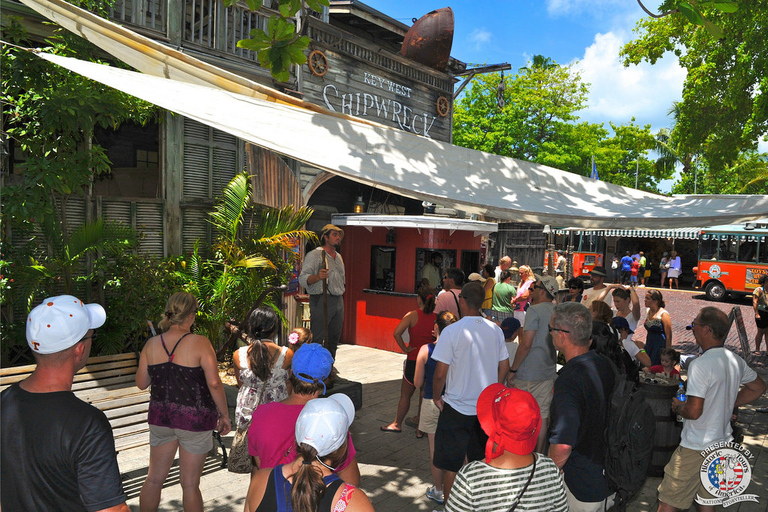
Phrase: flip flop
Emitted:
{"points": [[385, 428], [419, 434]]}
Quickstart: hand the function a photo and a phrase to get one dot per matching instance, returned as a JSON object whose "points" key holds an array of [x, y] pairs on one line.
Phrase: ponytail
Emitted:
{"points": [[262, 324], [308, 486], [427, 296]]}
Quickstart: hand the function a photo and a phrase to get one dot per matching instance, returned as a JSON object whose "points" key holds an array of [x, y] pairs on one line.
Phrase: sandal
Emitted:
{"points": [[386, 428], [419, 434]]}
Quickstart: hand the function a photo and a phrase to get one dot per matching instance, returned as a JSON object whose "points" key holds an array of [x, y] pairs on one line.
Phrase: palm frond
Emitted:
{"points": [[228, 213]]}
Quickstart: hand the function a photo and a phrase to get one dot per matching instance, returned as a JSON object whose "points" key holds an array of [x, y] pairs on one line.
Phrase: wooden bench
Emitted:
{"points": [[109, 384]]}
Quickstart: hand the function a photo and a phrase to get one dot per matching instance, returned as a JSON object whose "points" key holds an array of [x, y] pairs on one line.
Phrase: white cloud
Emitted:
{"points": [[480, 37], [616, 93]]}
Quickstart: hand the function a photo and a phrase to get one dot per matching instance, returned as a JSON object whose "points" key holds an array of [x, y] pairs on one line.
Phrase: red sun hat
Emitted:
{"points": [[511, 418]]}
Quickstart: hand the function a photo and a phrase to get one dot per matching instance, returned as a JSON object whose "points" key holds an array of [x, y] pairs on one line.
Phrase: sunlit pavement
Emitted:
{"points": [[395, 467]]}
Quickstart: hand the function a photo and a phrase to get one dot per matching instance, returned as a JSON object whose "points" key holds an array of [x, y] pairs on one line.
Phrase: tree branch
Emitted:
{"points": [[649, 13]]}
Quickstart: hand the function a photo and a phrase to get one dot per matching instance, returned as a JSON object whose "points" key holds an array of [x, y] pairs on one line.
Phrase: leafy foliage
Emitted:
{"points": [[253, 251], [537, 120], [50, 113], [724, 110], [280, 46]]}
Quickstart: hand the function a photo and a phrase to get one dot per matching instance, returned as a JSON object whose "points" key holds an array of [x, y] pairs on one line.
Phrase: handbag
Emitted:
{"points": [[240, 460]]}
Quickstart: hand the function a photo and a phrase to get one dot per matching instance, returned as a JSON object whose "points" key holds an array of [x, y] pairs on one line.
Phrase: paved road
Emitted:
{"points": [[395, 467]]}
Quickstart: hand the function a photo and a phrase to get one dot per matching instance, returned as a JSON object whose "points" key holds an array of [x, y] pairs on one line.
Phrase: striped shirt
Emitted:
{"points": [[483, 488]]}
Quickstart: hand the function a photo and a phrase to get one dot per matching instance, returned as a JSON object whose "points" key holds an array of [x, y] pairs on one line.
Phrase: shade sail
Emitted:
{"points": [[473, 181], [376, 155]]}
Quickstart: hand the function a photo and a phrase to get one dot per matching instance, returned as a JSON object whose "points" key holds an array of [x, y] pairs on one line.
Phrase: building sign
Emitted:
{"points": [[372, 83], [388, 102]]}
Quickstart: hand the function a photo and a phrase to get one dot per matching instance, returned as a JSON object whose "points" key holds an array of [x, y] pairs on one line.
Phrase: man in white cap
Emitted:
{"points": [[534, 367], [322, 275], [58, 452]]}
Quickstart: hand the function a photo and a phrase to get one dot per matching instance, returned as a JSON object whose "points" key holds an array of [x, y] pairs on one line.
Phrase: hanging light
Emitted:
{"points": [[500, 101], [359, 205]]}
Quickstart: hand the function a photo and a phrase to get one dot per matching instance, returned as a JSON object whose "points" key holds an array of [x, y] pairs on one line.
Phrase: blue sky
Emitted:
{"points": [[586, 33]]}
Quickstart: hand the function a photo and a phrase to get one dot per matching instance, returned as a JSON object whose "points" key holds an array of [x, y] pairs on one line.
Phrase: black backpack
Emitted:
{"points": [[630, 427]]}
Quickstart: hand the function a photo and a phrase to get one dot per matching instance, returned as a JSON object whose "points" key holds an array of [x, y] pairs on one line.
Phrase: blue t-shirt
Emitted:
{"points": [[626, 263]]}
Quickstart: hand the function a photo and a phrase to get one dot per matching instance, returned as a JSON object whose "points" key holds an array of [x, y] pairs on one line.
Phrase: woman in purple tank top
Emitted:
{"points": [[186, 402]]}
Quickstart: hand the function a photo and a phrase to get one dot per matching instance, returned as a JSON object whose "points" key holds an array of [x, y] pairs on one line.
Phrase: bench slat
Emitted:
{"points": [[137, 419], [106, 406], [132, 441], [99, 376], [98, 395], [131, 428], [107, 383]]}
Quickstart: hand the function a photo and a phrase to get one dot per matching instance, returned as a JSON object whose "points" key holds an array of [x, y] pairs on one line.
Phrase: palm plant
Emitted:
{"points": [[54, 271], [253, 251]]}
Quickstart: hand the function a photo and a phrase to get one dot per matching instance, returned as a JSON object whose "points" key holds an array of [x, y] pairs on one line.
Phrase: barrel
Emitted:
{"points": [[667, 437]]}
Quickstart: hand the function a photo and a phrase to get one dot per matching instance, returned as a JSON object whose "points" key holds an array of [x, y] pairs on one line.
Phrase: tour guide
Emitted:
{"points": [[322, 275]]}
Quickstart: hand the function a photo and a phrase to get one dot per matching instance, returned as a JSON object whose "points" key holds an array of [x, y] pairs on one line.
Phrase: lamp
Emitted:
{"points": [[359, 205]]}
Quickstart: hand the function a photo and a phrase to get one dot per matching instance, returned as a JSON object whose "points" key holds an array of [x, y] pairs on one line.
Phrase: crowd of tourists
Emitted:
{"points": [[513, 372]]}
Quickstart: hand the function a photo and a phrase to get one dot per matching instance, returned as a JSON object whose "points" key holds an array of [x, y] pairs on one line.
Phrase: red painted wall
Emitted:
{"points": [[370, 319]]}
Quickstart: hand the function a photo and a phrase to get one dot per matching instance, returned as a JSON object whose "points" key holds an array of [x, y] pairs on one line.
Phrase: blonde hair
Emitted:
{"points": [[525, 272], [179, 306]]}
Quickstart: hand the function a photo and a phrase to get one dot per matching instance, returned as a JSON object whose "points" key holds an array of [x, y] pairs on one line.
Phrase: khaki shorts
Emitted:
{"points": [[541, 390], [192, 442], [428, 416], [681, 479]]}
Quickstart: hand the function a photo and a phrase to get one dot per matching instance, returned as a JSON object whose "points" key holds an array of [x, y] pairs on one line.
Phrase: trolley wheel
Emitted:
{"points": [[715, 291]]}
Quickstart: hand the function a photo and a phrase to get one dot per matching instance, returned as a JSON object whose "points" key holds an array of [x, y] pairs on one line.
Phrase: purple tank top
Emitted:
{"points": [[180, 397]]}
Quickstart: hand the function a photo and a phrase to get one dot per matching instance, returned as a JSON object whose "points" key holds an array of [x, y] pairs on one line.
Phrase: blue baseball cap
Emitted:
{"points": [[619, 322], [510, 325], [312, 363]]}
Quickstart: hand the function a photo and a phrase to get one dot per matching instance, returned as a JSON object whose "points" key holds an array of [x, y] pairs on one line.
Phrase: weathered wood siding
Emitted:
{"points": [[371, 83]]}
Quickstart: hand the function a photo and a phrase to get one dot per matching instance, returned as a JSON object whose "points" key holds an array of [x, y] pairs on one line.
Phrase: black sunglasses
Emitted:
{"points": [[550, 329]]}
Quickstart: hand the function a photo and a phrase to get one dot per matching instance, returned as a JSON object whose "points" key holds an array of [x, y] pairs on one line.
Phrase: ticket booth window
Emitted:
{"points": [[424, 256], [383, 268]]}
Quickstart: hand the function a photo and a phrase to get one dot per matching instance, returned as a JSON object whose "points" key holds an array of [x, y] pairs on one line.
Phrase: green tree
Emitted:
{"points": [[537, 121], [50, 113], [537, 102], [724, 110]]}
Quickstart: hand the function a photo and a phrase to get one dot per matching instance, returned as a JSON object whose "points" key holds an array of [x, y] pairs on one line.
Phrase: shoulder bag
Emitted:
{"points": [[520, 496], [240, 460]]}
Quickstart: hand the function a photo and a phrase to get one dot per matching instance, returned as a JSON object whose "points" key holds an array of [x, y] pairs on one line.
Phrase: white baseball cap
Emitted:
{"points": [[324, 422], [59, 322]]}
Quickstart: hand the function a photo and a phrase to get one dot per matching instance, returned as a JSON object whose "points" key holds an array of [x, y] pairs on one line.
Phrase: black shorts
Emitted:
{"points": [[457, 436], [409, 371], [762, 322]]}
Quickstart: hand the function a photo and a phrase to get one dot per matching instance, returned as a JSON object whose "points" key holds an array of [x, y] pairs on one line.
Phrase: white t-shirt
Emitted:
{"points": [[472, 348], [714, 376], [591, 294]]}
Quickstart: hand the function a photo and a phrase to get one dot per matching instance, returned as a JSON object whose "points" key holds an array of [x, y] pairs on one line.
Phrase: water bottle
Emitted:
{"points": [[680, 396]]}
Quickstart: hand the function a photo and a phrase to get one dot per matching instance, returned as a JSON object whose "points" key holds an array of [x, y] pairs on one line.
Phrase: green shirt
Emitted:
{"points": [[503, 293]]}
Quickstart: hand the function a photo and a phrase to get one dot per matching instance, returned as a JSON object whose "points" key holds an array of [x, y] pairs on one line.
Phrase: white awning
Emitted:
{"points": [[680, 233], [413, 166], [418, 222]]}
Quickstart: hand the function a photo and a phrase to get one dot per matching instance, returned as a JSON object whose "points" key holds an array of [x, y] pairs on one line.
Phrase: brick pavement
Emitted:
{"points": [[395, 467]]}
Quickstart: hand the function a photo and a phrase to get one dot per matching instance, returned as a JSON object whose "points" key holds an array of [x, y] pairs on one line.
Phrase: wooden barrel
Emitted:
{"points": [[667, 438]]}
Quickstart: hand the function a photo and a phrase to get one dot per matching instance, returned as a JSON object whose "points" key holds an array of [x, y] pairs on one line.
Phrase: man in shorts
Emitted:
{"points": [[711, 396], [58, 452], [534, 368], [471, 355]]}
